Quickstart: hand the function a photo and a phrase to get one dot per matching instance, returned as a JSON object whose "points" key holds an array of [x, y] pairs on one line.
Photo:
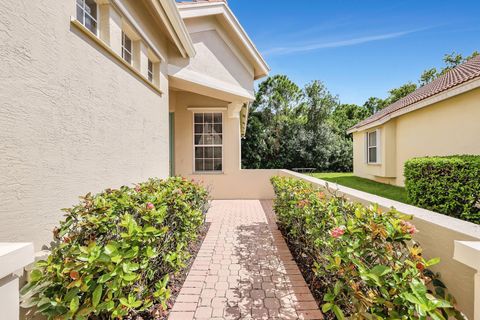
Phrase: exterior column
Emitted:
{"points": [[141, 57], [110, 24], [14, 257], [234, 110]]}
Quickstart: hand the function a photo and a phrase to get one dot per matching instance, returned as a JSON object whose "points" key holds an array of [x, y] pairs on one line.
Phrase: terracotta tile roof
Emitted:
{"points": [[458, 75]]}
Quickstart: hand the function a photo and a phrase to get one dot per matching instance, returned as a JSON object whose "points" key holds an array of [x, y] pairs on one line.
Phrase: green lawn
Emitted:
{"points": [[377, 188]]}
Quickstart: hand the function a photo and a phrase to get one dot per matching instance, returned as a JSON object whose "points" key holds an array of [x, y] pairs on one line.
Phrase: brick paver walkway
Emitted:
{"points": [[244, 270]]}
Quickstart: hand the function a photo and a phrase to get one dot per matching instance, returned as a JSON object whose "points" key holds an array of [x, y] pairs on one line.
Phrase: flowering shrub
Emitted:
{"points": [[364, 261], [116, 251]]}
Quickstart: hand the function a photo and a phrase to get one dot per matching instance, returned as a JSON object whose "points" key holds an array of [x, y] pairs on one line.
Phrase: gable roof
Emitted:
{"points": [[220, 9], [167, 12], [453, 78]]}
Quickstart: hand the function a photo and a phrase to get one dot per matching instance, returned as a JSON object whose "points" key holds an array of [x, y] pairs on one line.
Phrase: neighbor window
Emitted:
{"points": [[208, 144], [126, 48], [87, 14], [150, 70], [372, 146]]}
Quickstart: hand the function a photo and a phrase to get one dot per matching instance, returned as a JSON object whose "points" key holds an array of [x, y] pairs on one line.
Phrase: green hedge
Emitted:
{"points": [[448, 185], [362, 261], [116, 251]]}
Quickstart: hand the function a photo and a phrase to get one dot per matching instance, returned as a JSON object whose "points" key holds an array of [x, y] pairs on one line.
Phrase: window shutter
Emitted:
{"points": [[379, 146]]}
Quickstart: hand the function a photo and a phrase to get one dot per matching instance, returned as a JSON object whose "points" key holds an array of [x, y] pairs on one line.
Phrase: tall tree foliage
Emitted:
{"points": [[293, 127]]}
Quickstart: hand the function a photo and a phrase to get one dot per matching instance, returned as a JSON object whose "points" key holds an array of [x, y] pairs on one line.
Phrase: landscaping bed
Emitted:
{"points": [[359, 262], [121, 254], [176, 281]]}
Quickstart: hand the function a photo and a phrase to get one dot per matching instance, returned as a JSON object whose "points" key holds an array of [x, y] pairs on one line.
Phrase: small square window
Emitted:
{"points": [[208, 118], [126, 48], [199, 118], [87, 14], [199, 165]]}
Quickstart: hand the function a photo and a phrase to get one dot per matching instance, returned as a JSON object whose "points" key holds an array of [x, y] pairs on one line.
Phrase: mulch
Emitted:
{"points": [[176, 281], [305, 264]]}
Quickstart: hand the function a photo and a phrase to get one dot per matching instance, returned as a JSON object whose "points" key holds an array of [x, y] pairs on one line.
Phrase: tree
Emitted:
{"points": [[276, 100], [346, 116], [292, 127], [319, 103], [400, 92], [451, 60], [373, 104], [428, 76], [277, 95]]}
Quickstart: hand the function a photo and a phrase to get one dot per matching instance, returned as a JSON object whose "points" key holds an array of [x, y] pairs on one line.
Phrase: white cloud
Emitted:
{"points": [[335, 44]]}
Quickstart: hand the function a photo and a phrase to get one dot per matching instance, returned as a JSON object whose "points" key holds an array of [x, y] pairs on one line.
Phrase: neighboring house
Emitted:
{"points": [[105, 93], [441, 118]]}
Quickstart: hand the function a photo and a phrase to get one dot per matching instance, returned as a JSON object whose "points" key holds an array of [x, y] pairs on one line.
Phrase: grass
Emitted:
{"points": [[366, 185]]}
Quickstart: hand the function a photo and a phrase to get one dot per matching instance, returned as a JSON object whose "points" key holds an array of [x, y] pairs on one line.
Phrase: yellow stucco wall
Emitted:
{"points": [[448, 127]]}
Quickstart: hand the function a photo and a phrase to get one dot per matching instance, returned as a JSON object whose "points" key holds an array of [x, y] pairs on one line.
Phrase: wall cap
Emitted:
{"points": [[14, 257], [468, 253], [462, 227]]}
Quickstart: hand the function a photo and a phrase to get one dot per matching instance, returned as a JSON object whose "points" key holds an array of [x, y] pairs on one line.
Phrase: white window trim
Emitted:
{"points": [[207, 110], [377, 146], [85, 13]]}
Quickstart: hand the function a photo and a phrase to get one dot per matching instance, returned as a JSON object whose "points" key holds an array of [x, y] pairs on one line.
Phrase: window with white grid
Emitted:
{"points": [[87, 14], [208, 141], [372, 147]]}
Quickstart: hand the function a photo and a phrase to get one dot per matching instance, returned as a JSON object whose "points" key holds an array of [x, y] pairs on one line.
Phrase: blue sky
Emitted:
{"points": [[359, 48]]}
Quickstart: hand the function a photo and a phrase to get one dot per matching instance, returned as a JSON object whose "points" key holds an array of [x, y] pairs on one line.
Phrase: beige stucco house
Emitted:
{"points": [[439, 119], [104, 93]]}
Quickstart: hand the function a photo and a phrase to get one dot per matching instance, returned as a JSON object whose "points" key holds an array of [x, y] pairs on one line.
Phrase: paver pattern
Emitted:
{"points": [[244, 269]]}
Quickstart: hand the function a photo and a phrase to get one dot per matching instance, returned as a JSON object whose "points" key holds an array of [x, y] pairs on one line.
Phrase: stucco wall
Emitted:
{"points": [[446, 128], [218, 60], [73, 120], [385, 170], [232, 183], [436, 235]]}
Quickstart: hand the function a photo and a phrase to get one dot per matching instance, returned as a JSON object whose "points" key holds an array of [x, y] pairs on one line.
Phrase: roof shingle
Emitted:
{"points": [[458, 75]]}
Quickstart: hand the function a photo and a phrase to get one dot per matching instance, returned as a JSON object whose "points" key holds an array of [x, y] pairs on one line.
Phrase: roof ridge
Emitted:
{"points": [[452, 78]]}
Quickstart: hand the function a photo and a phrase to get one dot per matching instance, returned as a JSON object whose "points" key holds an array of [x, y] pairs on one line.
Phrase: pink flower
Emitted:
{"points": [[150, 206], [337, 232], [138, 188], [407, 227]]}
